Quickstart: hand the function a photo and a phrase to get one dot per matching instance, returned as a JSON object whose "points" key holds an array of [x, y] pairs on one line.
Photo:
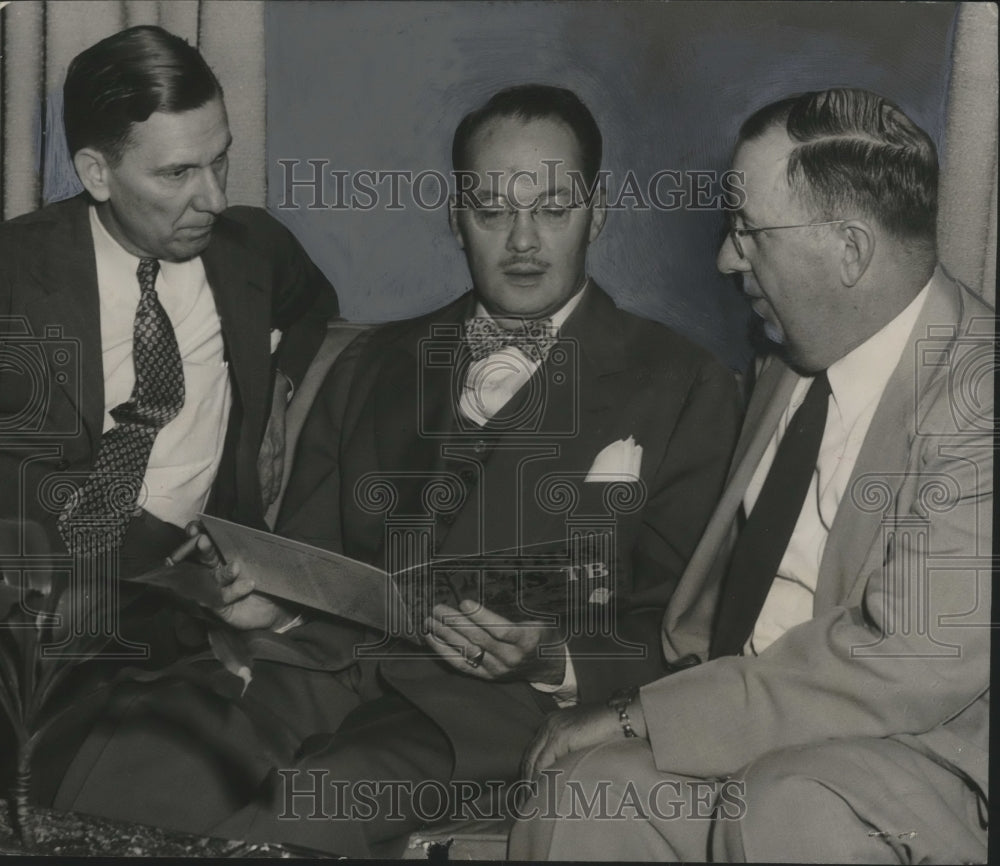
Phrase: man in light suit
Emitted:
{"points": [[242, 304], [420, 436], [837, 710]]}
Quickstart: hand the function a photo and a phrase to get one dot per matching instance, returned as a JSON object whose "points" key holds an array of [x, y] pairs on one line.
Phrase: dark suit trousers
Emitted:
{"points": [[183, 757], [147, 542]]}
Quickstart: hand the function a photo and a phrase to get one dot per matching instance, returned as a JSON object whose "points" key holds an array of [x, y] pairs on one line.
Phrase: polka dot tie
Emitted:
{"points": [[98, 514]]}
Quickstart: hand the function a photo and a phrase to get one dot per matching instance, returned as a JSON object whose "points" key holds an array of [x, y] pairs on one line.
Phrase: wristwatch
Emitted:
{"points": [[619, 702]]}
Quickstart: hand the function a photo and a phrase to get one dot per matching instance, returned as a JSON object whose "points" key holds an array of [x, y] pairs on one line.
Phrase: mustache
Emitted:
{"points": [[524, 260]]}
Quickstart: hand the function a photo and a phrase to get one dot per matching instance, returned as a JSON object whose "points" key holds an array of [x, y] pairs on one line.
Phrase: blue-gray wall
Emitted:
{"points": [[381, 86]]}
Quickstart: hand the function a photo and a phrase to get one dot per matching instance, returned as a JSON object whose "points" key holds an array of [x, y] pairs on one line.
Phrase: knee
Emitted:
{"points": [[788, 798]]}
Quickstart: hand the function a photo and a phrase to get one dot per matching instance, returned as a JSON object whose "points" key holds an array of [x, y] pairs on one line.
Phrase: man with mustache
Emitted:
{"points": [[829, 646], [460, 422]]}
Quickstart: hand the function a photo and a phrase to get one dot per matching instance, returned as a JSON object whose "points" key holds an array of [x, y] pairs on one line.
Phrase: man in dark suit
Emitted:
{"points": [[829, 700], [146, 127], [528, 416], [149, 333]]}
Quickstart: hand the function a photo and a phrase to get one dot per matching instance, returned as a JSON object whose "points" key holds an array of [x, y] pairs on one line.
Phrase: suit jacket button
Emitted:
{"points": [[62, 465], [479, 447], [468, 476], [449, 519]]}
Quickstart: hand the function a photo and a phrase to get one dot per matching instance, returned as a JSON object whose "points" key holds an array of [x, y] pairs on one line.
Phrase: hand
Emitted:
{"points": [[242, 608], [271, 458], [511, 649], [577, 728]]}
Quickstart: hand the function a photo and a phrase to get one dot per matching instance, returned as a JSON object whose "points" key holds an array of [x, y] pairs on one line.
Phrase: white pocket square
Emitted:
{"points": [[619, 461], [275, 339]]}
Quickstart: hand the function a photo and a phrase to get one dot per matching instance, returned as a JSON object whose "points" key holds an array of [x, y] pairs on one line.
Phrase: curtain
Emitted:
{"points": [[967, 225], [38, 38]]}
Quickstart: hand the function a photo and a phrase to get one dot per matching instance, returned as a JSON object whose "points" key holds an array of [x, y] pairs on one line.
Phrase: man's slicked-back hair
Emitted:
{"points": [[126, 77], [857, 155], [526, 102]]}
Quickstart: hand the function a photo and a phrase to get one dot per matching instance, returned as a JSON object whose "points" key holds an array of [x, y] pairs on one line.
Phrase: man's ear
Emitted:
{"points": [[93, 169], [857, 251], [598, 214], [456, 229]]}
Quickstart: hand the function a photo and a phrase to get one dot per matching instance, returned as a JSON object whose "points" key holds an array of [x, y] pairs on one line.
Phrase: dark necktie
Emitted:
{"points": [[766, 533], [97, 516], [535, 337]]}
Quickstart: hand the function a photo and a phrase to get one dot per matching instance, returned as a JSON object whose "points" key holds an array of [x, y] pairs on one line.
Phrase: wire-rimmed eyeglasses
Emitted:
{"points": [[499, 214], [736, 233]]}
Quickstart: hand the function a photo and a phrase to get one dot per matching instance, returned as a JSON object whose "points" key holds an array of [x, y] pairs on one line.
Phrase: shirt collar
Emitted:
{"points": [[559, 317], [861, 375], [106, 247]]}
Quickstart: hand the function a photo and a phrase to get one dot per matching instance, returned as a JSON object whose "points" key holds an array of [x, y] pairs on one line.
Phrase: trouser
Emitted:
{"points": [[324, 760], [843, 801]]}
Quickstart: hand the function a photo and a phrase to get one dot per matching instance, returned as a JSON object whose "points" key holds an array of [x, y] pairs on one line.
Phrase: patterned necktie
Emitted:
{"points": [[767, 531], [535, 337], [97, 516]]}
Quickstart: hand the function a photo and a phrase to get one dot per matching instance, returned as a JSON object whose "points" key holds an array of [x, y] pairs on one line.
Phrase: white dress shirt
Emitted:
{"points": [[490, 383], [186, 453], [857, 382]]}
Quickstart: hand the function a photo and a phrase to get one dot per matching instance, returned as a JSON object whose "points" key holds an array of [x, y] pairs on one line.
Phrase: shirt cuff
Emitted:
{"points": [[565, 693]]}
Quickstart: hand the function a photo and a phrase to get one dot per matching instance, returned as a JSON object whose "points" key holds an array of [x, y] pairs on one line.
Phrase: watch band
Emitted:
{"points": [[619, 702]]}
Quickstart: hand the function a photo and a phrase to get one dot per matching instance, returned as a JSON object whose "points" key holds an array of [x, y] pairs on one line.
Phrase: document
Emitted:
{"points": [[543, 582]]}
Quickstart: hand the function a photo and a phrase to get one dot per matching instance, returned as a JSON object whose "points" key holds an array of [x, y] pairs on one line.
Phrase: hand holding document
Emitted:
{"points": [[527, 583], [306, 575]]}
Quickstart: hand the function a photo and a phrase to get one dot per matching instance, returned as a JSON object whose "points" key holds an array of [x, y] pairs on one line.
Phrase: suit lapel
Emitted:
{"points": [[883, 457], [61, 291], [241, 299], [696, 597], [572, 394]]}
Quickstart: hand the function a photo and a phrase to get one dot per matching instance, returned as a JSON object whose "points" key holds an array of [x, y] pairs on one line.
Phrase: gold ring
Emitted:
{"points": [[477, 659]]}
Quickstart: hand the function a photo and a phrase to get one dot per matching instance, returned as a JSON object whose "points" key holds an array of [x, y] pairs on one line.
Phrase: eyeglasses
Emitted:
{"points": [[736, 233], [499, 215]]}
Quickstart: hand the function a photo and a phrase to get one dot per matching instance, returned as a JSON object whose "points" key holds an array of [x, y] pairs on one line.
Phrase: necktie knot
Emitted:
{"points": [[534, 337], [146, 272]]}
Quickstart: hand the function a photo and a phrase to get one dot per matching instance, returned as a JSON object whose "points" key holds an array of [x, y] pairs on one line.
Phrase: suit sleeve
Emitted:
{"points": [[682, 493], [302, 304], [906, 653]]}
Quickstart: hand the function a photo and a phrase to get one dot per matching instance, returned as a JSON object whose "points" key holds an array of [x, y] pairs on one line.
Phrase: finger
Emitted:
{"points": [[207, 552], [239, 588], [458, 630], [500, 628], [226, 574], [454, 654], [551, 751]]}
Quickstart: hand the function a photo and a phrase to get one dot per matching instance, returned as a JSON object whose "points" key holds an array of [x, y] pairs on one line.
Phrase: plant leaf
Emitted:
{"points": [[9, 596]]}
